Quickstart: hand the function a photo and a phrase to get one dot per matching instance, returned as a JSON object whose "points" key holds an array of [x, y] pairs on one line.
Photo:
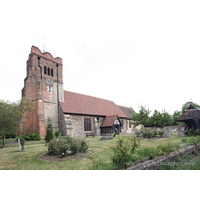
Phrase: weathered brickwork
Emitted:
{"points": [[45, 96]]}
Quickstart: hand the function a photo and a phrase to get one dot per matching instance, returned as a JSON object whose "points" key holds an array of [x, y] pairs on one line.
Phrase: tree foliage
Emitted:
{"points": [[49, 131], [185, 106], [11, 114], [161, 119], [142, 117], [175, 116]]}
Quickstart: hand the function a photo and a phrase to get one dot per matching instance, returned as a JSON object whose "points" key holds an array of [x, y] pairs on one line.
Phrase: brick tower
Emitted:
{"points": [[43, 86]]}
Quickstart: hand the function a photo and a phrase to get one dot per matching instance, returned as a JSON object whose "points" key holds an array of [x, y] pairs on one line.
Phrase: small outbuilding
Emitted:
{"points": [[191, 117], [111, 124]]}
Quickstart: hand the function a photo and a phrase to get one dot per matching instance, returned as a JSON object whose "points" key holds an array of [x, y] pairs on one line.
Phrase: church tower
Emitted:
{"points": [[43, 86]]}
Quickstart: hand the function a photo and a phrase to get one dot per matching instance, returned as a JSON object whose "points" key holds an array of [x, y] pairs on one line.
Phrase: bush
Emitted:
{"points": [[32, 136], [184, 140], [57, 134], [66, 145], [123, 150], [160, 133], [58, 146], [197, 132], [154, 132], [188, 133], [10, 135], [49, 131]]}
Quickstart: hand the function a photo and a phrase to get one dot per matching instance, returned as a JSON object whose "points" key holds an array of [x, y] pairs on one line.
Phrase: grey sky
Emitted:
{"points": [[130, 52]]}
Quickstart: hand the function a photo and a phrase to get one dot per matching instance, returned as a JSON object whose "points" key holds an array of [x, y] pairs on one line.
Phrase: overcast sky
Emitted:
{"points": [[130, 52]]}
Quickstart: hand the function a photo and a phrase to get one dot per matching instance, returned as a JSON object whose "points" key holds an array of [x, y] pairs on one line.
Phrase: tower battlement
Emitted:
{"points": [[46, 55]]}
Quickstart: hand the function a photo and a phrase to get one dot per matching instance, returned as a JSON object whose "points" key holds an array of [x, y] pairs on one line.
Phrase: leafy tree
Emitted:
{"points": [[162, 119], [142, 117], [49, 131], [175, 116], [185, 106], [9, 117], [11, 114]]}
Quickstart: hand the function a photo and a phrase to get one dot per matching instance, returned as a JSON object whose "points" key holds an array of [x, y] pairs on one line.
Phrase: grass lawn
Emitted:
{"points": [[11, 158]]}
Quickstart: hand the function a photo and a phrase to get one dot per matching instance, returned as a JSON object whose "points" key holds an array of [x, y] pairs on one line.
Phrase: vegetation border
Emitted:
{"points": [[153, 164]]}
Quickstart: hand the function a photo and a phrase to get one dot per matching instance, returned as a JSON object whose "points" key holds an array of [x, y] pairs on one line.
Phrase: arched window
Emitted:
{"points": [[48, 71], [45, 70], [49, 88], [52, 72]]}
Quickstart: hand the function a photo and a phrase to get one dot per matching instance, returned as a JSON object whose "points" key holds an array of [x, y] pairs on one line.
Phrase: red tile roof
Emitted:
{"points": [[109, 121], [75, 103], [189, 114], [128, 111]]}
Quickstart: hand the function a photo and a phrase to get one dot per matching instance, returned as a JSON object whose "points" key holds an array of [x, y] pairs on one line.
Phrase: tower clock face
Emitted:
{"points": [[49, 81]]}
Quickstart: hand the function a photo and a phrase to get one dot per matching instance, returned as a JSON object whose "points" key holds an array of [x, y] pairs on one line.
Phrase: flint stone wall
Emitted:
{"points": [[153, 164]]}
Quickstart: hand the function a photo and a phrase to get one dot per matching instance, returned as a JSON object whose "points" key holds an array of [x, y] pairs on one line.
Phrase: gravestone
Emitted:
{"points": [[20, 147], [133, 131], [106, 138], [166, 132], [181, 133]]}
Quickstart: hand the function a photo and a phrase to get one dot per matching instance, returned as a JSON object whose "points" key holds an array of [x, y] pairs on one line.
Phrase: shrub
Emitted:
{"points": [[65, 144], [32, 136], [58, 146], [123, 150], [57, 134], [49, 131], [154, 132], [197, 132], [160, 133], [184, 140], [187, 133], [10, 135]]}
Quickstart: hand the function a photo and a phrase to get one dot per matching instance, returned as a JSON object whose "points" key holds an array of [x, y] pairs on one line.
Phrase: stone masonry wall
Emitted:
{"points": [[75, 125]]}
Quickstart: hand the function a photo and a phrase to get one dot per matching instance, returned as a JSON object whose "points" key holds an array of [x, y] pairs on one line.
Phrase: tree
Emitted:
{"points": [[49, 131], [9, 117], [11, 114], [185, 106], [162, 119], [142, 117], [175, 116]]}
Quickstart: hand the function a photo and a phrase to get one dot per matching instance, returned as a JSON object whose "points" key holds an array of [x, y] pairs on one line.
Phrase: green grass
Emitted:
{"points": [[12, 159]]}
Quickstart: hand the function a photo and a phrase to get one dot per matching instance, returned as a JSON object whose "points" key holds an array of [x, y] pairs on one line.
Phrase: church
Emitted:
{"points": [[71, 113]]}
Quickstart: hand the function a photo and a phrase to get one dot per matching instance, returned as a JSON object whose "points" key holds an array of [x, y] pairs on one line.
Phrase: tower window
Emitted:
{"points": [[52, 72], [45, 70], [49, 88], [48, 71]]}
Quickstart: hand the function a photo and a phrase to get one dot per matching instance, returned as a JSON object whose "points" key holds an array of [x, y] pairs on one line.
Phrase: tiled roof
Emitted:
{"points": [[128, 111], [75, 103], [109, 121], [189, 114]]}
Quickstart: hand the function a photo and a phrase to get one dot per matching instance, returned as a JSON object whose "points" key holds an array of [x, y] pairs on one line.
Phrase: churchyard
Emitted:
{"points": [[99, 154]]}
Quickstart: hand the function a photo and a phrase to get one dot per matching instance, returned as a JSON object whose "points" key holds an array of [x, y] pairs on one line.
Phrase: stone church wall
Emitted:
{"points": [[75, 125]]}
